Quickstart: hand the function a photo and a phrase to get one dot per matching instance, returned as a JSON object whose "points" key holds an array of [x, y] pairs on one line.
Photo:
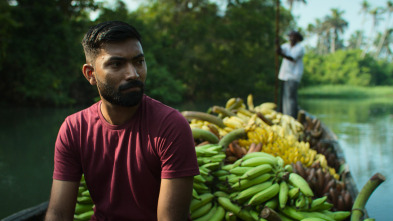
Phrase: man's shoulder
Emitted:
{"points": [[154, 104], [84, 114], [160, 111]]}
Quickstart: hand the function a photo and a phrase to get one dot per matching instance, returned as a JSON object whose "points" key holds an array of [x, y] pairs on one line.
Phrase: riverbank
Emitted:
{"points": [[346, 91]]}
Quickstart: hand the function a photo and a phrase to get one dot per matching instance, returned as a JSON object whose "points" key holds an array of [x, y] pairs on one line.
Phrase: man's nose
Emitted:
{"points": [[131, 72]]}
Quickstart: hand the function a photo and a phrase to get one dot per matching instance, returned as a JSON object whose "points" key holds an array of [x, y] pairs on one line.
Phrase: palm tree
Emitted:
{"points": [[336, 25], [291, 2], [389, 11], [375, 13], [364, 11], [321, 31]]}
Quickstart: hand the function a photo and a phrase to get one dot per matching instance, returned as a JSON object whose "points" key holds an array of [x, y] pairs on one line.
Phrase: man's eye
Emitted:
{"points": [[140, 62], [115, 64]]}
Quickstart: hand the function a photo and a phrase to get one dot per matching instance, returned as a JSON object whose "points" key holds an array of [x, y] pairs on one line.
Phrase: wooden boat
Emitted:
{"points": [[35, 213], [38, 212]]}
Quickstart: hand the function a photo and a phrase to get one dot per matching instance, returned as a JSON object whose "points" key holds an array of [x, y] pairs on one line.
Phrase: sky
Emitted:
{"points": [[307, 13], [318, 9]]}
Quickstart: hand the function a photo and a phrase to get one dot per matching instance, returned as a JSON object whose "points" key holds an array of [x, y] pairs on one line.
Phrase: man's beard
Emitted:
{"points": [[116, 97]]}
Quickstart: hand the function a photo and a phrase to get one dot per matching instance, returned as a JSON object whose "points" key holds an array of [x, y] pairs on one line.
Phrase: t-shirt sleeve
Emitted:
{"points": [[67, 164], [298, 52], [178, 157]]}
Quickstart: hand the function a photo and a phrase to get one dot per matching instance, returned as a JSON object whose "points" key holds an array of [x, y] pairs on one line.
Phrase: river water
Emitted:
{"points": [[364, 129]]}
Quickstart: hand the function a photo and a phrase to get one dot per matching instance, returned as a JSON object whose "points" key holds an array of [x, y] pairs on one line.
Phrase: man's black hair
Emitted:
{"points": [[106, 32], [297, 34]]}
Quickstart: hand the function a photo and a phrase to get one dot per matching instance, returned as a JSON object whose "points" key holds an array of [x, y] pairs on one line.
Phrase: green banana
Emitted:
{"points": [[218, 215], [195, 194], [220, 172], [251, 191], [280, 161], [200, 186], [240, 170], [220, 193], [82, 208], [283, 194], [337, 215], [198, 133], [256, 161], [288, 168], [298, 181], [245, 215], [84, 200], [265, 195], [300, 202], [292, 213], [321, 207], [272, 203], [199, 178], [228, 177], [211, 166], [201, 211], [203, 199], [257, 171], [207, 216], [257, 154], [243, 184], [84, 216], [86, 193], [228, 205], [293, 193], [312, 219], [81, 189], [231, 136], [230, 216], [204, 171]]}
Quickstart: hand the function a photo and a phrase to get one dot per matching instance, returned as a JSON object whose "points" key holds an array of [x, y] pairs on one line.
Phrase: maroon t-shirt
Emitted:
{"points": [[124, 164]]}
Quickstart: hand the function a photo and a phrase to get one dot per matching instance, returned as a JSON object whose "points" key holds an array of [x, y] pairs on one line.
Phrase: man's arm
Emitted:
{"points": [[279, 52], [175, 198], [62, 200]]}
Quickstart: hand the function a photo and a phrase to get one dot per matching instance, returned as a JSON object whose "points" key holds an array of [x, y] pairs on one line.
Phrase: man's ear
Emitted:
{"points": [[88, 71]]}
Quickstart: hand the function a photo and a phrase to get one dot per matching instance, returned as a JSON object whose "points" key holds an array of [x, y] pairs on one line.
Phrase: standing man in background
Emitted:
{"points": [[137, 154], [291, 72]]}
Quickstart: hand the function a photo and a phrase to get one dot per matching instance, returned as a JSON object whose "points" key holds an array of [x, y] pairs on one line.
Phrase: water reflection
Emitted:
{"points": [[365, 132]]}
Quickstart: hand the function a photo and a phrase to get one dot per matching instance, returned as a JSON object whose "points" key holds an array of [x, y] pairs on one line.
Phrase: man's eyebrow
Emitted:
{"points": [[138, 56], [116, 58]]}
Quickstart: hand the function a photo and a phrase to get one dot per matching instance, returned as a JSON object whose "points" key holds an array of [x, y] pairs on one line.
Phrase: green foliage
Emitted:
{"points": [[345, 67], [195, 50]]}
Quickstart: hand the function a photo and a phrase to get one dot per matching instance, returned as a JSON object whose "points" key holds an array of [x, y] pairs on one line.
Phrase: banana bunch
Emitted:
{"points": [[210, 157], [84, 205], [324, 184], [243, 190]]}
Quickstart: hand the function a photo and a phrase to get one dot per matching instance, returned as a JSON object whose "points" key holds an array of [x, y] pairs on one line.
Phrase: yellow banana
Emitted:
{"points": [[250, 102]]}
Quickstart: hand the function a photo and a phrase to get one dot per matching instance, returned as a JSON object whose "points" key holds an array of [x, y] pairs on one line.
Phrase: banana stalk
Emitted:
{"points": [[364, 195]]}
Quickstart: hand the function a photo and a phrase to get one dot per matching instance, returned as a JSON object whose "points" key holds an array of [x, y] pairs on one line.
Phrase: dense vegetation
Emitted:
{"points": [[195, 49]]}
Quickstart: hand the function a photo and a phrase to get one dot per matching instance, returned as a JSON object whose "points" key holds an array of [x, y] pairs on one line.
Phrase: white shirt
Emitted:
{"points": [[292, 70]]}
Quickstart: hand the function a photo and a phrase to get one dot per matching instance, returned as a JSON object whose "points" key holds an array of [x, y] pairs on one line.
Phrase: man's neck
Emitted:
{"points": [[117, 115]]}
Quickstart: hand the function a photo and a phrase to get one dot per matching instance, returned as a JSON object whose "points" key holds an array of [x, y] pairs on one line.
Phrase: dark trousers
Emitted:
{"points": [[289, 98]]}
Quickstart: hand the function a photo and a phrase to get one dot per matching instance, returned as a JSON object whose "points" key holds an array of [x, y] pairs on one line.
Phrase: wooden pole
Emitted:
{"points": [[277, 44]]}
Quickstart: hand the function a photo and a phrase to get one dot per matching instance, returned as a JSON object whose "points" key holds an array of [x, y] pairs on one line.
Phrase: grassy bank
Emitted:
{"points": [[346, 91]]}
